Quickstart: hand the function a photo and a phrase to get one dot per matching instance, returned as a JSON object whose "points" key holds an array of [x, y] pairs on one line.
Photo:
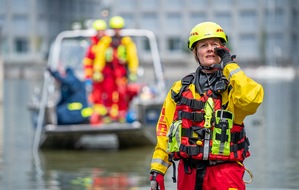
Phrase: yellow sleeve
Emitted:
{"points": [[160, 161], [246, 94], [87, 63], [132, 56], [101, 47]]}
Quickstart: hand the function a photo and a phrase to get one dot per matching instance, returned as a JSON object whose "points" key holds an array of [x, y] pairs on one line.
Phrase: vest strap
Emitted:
{"points": [[239, 146], [194, 116], [237, 136], [191, 150], [192, 103], [186, 81], [189, 132]]}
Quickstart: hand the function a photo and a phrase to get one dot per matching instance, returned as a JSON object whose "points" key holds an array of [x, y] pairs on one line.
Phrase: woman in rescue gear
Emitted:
{"points": [[117, 65], [93, 79], [201, 122], [72, 108]]}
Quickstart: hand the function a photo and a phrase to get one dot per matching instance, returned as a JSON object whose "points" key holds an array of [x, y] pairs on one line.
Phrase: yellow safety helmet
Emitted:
{"points": [[117, 22], [206, 30], [99, 24]]}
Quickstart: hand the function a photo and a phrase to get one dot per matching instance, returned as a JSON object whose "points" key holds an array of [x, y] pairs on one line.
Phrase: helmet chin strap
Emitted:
{"points": [[213, 66], [207, 67]]}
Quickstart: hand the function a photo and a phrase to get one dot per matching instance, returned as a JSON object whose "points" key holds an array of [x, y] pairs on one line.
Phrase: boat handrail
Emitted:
{"points": [[54, 58], [56, 48], [41, 115]]}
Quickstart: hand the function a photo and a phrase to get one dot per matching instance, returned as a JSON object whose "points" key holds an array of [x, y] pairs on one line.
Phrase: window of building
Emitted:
{"points": [[146, 45], [224, 19], [196, 3], [3, 46], [149, 21], [197, 17], [53, 27], [20, 6], [41, 6], [174, 21], [246, 3], [146, 4], [280, 18], [20, 25], [174, 44], [249, 44], [247, 20], [295, 49], [127, 4], [2, 26], [295, 18], [275, 18], [178, 4], [2, 6], [42, 26], [77, 8], [39, 44], [129, 20], [21, 45], [97, 10], [274, 45], [223, 3], [274, 3], [56, 6]]}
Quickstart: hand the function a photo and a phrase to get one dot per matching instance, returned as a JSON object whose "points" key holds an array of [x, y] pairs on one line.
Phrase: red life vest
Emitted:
{"points": [[202, 138]]}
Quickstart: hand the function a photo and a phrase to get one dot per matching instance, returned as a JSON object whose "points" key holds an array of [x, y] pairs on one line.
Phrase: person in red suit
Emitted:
{"points": [[93, 79], [201, 125], [117, 66]]}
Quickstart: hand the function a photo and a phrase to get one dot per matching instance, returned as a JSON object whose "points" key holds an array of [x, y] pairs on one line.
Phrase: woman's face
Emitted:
{"points": [[205, 51]]}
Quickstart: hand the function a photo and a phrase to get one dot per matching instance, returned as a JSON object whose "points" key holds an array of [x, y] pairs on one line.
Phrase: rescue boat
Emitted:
{"points": [[68, 50]]}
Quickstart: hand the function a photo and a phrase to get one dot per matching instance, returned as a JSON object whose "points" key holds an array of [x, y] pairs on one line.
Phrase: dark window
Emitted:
{"points": [[174, 44], [21, 45], [146, 45]]}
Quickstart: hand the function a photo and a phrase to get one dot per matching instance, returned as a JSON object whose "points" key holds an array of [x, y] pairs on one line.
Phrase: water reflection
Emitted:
{"points": [[273, 133], [96, 169]]}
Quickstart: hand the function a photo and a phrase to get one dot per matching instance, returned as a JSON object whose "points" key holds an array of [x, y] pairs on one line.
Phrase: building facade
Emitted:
{"points": [[260, 31], [27, 27]]}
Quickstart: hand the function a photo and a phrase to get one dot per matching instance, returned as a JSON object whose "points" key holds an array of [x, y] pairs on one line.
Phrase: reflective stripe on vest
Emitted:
{"points": [[85, 112], [74, 106], [121, 53]]}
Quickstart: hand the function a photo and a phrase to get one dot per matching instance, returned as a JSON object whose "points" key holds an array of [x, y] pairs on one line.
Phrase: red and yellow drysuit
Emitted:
{"points": [[89, 57], [195, 151], [97, 86], [118, 61]]}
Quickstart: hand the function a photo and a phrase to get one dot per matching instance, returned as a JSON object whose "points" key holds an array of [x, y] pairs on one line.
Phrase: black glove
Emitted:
{"points": [[50, 71], [54, 74], [223, 53]]}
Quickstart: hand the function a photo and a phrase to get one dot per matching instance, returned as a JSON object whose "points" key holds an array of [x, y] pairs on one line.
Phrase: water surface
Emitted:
{"points": [[273, 133]]}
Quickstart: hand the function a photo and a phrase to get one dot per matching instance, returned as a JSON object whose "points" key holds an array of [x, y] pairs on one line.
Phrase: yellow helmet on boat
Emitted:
{"points": [[99, 24], [117, 22]]}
